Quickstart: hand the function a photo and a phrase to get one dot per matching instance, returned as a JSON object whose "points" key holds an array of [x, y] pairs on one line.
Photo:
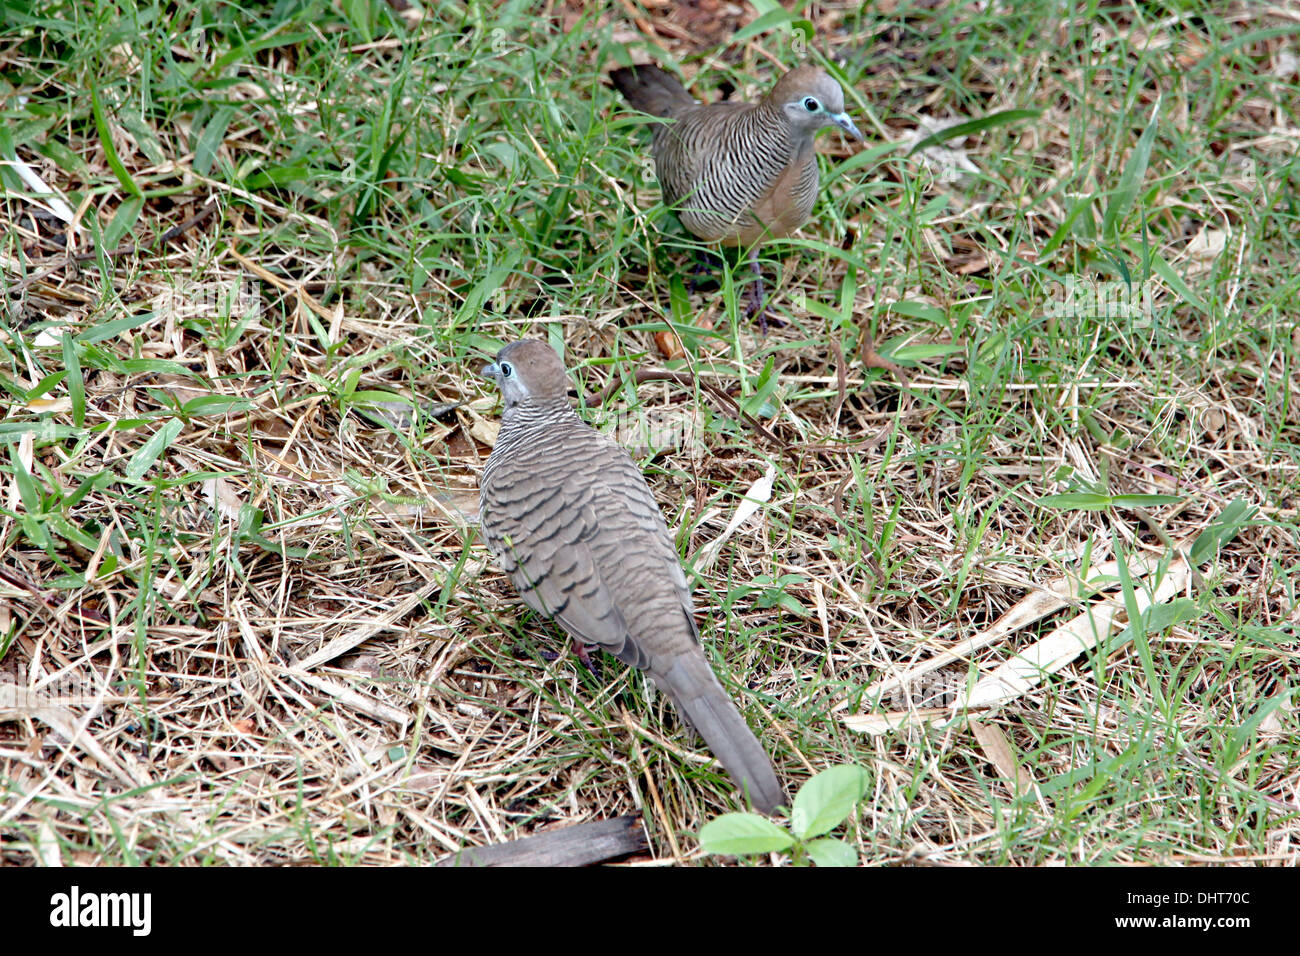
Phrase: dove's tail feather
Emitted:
{"points": [[699, 696], [652, 90]]}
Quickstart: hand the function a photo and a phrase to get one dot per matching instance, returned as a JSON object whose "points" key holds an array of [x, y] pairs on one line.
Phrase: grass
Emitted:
{"points": [[244, 619]]}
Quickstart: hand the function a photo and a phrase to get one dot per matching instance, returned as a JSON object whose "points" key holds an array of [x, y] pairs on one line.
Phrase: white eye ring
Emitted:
{"points": [[811, 105], [506, 370]]}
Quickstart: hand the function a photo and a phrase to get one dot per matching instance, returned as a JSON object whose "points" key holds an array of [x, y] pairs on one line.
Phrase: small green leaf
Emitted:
{"points": [[1063, 230], [738, 834], [824, 801], [44, 386], [863, 157], [1221, 530], [507, 154], [76, 384], [144, 137], [27, 489], [143, 459], [991, 121], [471, 184], [1249, 728], [760, 402], [49, 431], [106, 141], [34, 528], [473, 306], [1144, 501], [821, 311], [258, 179], [66, 160], [210, 140], [123, 221], [679, 301], [917, 310], [273, 547], [68, 531], [918, 353], [27, 131], [111, 330], [215, 405], [374, 396], [1166, 272], [1131, 178], [157, 366], [932, 210], [1157, 619], [1082, 500], [831, 852], [848, 296], [762, 24]]}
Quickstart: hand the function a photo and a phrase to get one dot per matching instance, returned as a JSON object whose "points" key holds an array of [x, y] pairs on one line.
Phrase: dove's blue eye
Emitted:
{"points": [[506, 370], [811, 105]]}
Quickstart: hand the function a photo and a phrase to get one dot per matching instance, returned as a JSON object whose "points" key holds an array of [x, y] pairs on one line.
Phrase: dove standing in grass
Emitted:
{"points": [[569, 516], [739, 172]]}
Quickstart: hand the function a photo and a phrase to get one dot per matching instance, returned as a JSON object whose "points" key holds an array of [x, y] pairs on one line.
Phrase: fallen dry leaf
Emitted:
{"points": [[670, 346]]}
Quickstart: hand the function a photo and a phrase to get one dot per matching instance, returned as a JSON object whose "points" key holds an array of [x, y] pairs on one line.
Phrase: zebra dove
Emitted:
{"points": [[738, 172], [569, 517]]}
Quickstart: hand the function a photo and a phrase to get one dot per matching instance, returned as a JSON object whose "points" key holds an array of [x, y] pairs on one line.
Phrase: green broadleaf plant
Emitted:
{"points": [[821, 804]]}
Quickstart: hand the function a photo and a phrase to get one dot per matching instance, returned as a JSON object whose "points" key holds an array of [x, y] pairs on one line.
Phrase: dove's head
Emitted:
{"points": [[529, 371], [811, 98]]}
